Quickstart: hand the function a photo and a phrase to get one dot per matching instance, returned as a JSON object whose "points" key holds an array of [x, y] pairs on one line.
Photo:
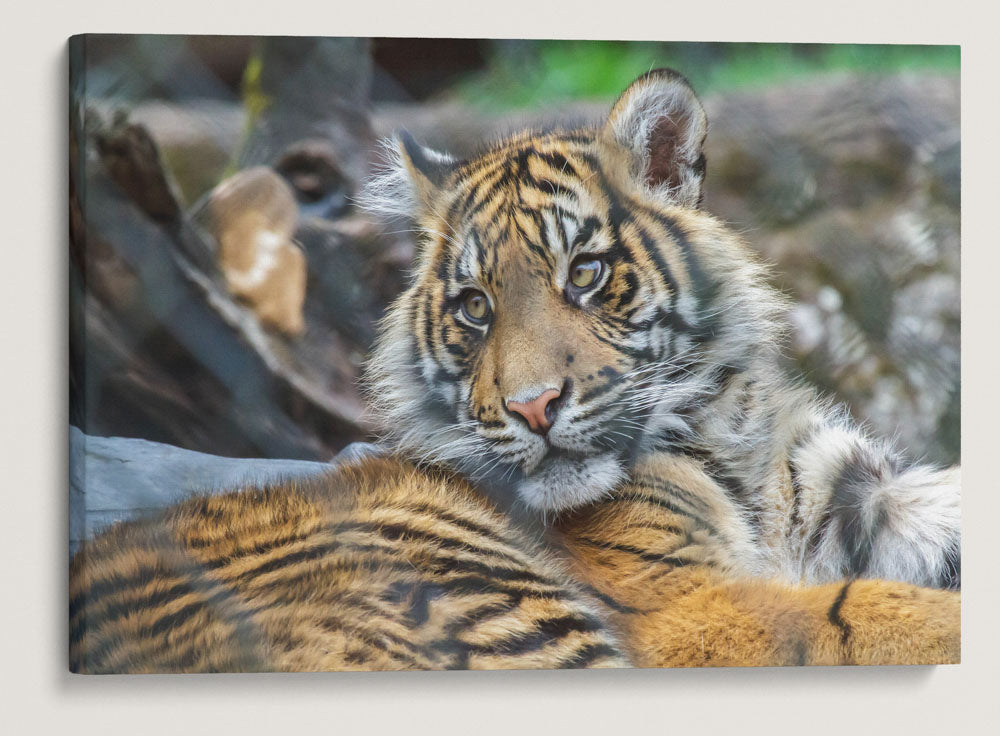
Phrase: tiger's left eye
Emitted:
{"points": [[585, 271], [475, 306]]}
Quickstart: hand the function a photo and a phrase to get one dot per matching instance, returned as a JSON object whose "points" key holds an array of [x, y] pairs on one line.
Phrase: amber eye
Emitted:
{"points": [[475, 307], [585, 271]]}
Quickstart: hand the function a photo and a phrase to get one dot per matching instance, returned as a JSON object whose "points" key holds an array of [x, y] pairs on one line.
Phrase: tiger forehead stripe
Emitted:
{"points": [[484, 181], [556, 229], [551, 179], [527, 224]]}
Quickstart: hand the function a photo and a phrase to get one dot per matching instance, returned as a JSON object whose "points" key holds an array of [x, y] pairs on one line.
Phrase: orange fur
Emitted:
{"points": [[384, 566]]}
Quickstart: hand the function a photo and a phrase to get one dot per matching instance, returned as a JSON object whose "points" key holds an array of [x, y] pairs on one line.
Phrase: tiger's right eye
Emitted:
{"points": [[476, 307], [585, 271]]}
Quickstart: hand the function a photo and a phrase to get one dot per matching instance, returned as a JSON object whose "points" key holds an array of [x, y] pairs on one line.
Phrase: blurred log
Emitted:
{"points": [[308, 100], [160, 349]]}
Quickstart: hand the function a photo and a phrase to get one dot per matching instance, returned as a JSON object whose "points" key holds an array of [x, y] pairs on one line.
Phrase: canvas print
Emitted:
{"points": [[412, 354]]}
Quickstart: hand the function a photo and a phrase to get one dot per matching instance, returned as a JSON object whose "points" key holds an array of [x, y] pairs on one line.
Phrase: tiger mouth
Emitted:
{"points": [[554, 452], [555, 455]]}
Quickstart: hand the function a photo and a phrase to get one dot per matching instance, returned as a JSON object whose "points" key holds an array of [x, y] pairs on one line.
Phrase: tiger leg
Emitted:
{"points": [[707, 620], [665, 556]]}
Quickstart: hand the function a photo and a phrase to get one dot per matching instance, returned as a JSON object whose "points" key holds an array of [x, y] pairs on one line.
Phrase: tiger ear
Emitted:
{"points": [[409, 179], [662, 125]]}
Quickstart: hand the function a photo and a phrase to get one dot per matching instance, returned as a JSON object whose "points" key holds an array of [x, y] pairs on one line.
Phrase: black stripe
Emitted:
{"points": [[428, 331], [479, 584], [634, 497], [952, 575], [674, 491], [115, 583], [834, 614], [456, 577], [623, 350], [260, 548], [460, 521], [79, 625], [547, 186], [391, 532], [375, 639], [705, 290], [473, 617], [851, 490], [586, 232], [587, 655], [655, 254], [558, 162], [543, 632], [289, 589], [561, 216], [534, 247], [400, 531], [161, 626], [643, 554], [796, 516], [612, 603], [592, 393], [748, 498], [312, 553], [521, 575]]}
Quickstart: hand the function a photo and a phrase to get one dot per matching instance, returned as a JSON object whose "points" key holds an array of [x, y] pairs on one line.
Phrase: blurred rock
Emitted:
{"points": [[851, 186], [118, 478], [314, 170], [355, 270]]}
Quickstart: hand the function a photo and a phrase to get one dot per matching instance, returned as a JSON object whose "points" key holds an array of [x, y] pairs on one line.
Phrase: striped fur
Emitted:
{"points": [[660, 552], [675, 350], [696, 507], [376, 567], [381, 566]]}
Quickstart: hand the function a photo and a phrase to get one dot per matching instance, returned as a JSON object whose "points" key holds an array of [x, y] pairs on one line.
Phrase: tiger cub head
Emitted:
{"points": [[571, 306]]}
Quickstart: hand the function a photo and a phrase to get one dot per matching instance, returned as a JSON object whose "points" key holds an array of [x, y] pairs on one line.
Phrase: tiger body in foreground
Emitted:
{"points": [[610, 466], [384, 566]]}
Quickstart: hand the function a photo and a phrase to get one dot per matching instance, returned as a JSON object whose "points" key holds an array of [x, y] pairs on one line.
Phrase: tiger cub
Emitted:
{"points": [[575, 314], [592, 457]]}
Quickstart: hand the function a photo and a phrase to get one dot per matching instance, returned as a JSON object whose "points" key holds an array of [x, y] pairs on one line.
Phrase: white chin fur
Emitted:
{"points": [[560, 484]]}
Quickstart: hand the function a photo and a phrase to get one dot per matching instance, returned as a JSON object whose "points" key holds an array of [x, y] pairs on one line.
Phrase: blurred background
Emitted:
{"points": [[225, 290]]}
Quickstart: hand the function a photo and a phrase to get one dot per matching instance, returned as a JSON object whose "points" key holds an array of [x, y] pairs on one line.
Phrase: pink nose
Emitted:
{"points": [[540, 412]]}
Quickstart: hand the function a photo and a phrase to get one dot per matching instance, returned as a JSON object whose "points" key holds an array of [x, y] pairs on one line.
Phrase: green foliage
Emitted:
{"points": [[536, 73]]}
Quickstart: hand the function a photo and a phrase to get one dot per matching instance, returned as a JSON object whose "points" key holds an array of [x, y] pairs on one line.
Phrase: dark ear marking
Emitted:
{"points": [[409, 180], [433, 166]]}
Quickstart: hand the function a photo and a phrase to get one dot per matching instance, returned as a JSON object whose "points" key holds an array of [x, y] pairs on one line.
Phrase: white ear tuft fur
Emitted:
{"points": [[389, 191], [404, 182], [660, 121]]}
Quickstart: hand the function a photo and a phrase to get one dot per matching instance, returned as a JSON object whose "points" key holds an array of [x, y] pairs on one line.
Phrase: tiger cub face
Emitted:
{"points": [[555, 299]]}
